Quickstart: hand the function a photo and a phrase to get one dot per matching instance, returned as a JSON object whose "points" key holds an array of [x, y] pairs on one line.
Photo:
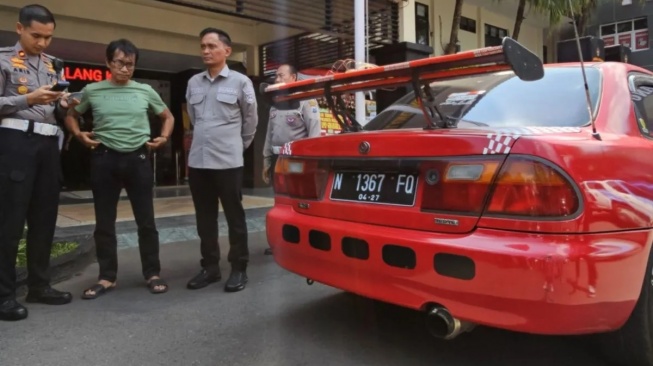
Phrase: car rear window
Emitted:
{"points": [[502, 100]]}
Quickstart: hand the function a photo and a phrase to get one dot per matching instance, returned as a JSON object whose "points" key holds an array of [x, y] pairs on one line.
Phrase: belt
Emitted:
{"points": [[30, 126], [101, 148]]}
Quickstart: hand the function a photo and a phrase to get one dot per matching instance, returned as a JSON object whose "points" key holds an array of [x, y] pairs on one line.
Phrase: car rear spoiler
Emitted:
{"points": [[420, 73]]}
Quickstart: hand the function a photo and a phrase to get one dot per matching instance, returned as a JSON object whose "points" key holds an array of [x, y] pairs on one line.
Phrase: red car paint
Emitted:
{"points": [[581, 273]]}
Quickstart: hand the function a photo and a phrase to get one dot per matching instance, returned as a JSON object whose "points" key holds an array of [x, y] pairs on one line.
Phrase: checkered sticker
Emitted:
{"points": [[498, 144], [501, 141], [286, 149], [529, 131]]}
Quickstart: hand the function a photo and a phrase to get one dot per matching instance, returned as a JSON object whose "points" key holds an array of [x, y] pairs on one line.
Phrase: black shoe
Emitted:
{"points": [[49, 296], [268, 251], [12, 310], [203, 279], [237, 281]]}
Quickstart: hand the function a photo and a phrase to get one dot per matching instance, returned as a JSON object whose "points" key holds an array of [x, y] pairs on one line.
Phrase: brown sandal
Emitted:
{"points": [[157, 282], [98, 290]]}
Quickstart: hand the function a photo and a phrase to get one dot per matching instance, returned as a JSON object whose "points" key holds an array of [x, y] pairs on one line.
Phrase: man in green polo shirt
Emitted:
{"points": [[120, 120], [120, 141]]}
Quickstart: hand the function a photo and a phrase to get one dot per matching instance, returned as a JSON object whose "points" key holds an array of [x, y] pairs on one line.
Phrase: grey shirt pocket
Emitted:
{"points": [[227, 107], [196, 101]]}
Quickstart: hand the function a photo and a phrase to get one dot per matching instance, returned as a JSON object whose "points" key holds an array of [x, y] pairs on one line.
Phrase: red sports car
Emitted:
{"points": [[501, 192]]}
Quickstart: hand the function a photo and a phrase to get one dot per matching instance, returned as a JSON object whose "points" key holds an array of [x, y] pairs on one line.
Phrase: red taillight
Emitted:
{"points": [[527, 187], [300, 178], [457, 186], [279, 182]]}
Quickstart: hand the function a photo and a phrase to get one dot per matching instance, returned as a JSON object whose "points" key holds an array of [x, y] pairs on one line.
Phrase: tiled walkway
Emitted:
{"points": [[83, 213], [174, 212], [170, 202]]}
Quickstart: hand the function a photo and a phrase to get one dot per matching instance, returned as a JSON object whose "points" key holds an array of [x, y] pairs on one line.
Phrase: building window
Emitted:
{"points": [[494, 35], [422, 27], [468, 24], [630, 33]]}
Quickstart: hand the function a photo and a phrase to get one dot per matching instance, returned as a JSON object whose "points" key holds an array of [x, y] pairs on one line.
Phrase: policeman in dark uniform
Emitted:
{"points": [[30, 170]]}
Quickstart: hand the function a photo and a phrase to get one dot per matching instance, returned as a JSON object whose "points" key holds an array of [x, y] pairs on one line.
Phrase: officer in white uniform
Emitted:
{"points": [[288, 125], [30, 169]]}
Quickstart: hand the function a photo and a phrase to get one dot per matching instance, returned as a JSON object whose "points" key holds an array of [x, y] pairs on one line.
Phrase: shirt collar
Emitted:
{"points": [[224, 72]]}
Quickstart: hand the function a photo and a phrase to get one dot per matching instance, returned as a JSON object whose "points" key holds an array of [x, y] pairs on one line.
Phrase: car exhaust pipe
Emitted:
{"points": [[440, 323]]}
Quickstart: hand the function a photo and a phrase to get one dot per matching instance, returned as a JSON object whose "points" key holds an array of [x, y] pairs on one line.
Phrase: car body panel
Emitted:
{"points": [[523, 282], [571, 275]]}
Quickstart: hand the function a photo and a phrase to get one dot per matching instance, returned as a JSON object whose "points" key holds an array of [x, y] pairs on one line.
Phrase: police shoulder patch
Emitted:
{"points": [[249, 97]]}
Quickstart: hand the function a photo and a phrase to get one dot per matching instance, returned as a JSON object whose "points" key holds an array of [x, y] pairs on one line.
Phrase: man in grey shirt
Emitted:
{"points": [[222, 108]]}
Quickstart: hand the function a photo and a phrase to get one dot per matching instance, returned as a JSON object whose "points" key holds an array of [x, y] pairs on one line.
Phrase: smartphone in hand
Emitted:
{"points": [[60, 86]]}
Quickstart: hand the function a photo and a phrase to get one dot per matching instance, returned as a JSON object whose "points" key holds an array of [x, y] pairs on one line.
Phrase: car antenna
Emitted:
{"points": [[582, 67]]}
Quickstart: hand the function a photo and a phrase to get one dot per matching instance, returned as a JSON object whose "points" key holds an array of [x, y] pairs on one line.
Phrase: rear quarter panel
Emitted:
{"points": [[614, 172]]}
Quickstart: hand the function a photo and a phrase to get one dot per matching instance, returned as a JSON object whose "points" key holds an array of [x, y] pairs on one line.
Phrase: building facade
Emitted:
{"points": [[168, 37], [483, 24], [313, 35], [629, 23]]}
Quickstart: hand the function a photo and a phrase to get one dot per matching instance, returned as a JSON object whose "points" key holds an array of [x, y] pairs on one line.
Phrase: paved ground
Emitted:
{"points": [[277, 320]]}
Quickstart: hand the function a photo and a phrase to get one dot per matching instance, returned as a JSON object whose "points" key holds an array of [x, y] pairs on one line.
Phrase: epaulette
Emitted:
{"points": [[7, 49]]}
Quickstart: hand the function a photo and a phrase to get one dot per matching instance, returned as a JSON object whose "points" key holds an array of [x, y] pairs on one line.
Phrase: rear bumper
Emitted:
{"points": [[546, 284]]}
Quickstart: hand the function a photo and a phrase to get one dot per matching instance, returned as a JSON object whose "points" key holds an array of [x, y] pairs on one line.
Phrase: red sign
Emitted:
{"points": [[609, 41], [86, 73], [641, 40], [626, 39]]}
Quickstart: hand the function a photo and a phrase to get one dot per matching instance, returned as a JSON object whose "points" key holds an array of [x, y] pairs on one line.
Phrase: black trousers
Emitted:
{"points": [[30, 180], [210, 187], [110, 172]]}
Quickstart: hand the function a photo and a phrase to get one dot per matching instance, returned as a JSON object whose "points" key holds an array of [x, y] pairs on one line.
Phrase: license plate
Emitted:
{"points": [[383, 188]]}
